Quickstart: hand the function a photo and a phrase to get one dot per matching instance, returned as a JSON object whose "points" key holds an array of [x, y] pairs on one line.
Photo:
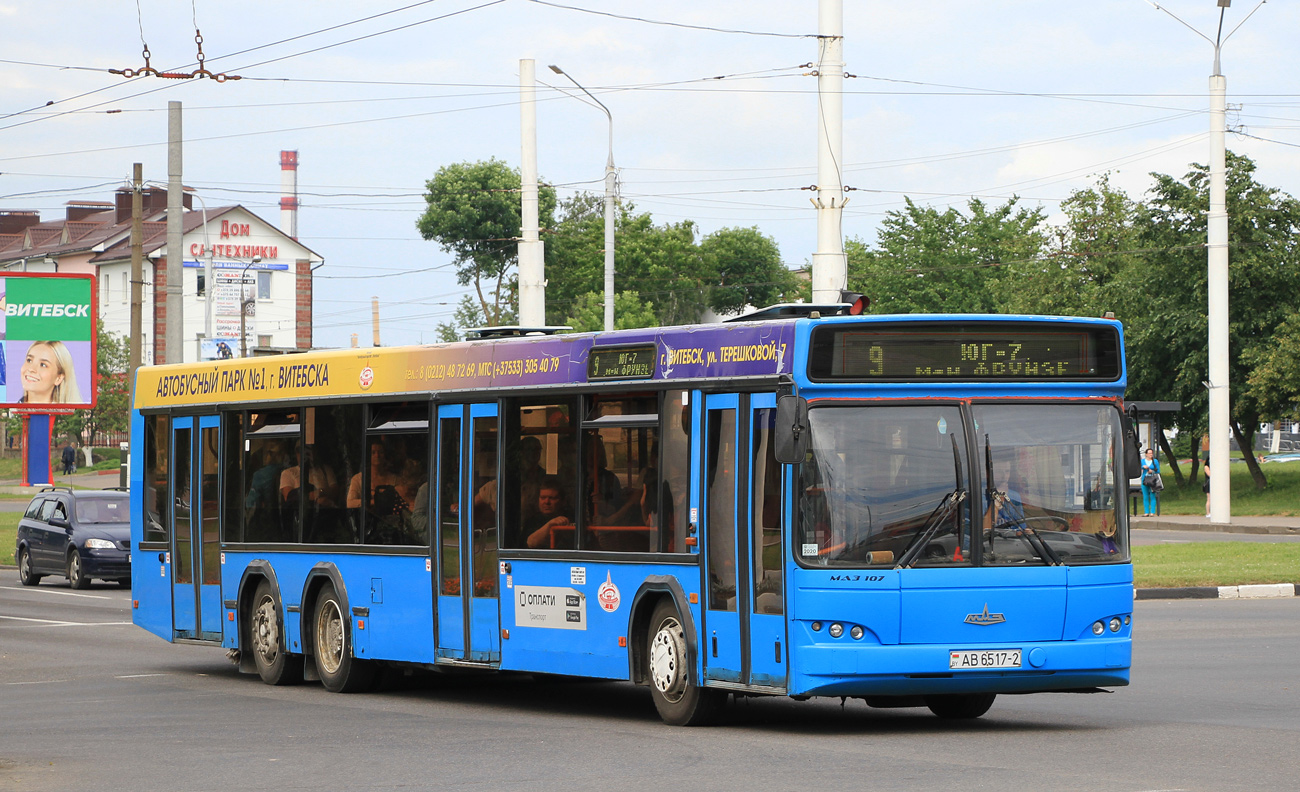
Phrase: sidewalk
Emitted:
{"points": [[93, 479], [1198, 522]]}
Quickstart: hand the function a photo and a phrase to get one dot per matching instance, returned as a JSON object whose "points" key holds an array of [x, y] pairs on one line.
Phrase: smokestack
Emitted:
{"points": [[289, 193]]}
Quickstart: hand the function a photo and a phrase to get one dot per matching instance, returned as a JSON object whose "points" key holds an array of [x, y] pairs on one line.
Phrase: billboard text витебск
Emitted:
{"points": [[47, 358]]}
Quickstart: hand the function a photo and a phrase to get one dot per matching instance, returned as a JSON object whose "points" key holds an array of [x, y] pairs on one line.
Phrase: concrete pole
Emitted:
{"points": [[610, 189], [374, 318], [532, 274], [137, 272], [829, 266], [175, 219], [1217, 245]]}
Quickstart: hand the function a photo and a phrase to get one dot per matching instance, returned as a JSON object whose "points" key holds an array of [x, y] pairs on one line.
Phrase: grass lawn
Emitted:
{"points": [[1280, 499], [8, 535], [1216, 564]]}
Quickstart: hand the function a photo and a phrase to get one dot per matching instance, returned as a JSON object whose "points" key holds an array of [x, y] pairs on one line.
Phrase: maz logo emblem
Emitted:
{"points": [[985, 619]]}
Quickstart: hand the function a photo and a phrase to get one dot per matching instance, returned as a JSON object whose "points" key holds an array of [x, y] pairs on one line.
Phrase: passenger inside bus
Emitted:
{"points": [[550, 526]]}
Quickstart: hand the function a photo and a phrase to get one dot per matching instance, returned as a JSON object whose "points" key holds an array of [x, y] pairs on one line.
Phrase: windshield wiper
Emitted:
{"points": [[1023, 531], [937, 518]]}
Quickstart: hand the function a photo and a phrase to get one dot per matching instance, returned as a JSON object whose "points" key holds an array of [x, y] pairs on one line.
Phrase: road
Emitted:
{"points": [[92, 702]]}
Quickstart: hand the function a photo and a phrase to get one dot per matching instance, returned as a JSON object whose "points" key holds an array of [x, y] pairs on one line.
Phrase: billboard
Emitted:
{"points": [[47, 356]]}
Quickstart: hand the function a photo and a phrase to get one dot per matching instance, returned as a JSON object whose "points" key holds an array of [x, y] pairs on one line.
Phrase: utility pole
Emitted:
{"points": [[374, 317], [829, 266], [137, 271], [1217, 287], [532, 273], [175, 219]]}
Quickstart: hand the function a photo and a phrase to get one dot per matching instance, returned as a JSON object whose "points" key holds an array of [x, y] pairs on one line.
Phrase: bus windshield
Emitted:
{"points": [[896, 486]]}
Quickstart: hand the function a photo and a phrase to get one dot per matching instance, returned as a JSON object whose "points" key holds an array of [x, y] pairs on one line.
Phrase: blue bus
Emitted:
{"points": [[918, 510]]}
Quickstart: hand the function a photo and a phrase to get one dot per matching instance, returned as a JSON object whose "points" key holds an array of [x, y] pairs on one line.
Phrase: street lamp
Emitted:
{"points": [[609, 204], [207, 272], [244, 302], [1217, 274]]}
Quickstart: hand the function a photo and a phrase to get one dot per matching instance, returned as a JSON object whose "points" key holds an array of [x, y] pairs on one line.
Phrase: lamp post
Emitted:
{"points": [[609, 204], [1217, 274], [208, 292], [244, 302]]}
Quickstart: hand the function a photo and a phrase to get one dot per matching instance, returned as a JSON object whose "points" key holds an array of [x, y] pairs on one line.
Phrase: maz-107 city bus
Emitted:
{"points": [[915, 510]]}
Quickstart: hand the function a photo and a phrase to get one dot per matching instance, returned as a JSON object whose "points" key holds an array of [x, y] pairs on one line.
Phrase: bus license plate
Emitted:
{"points": [[988, 658]]}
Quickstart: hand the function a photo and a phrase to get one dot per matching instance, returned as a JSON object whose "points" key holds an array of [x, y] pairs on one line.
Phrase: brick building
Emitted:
{"points": [[259, 272]]}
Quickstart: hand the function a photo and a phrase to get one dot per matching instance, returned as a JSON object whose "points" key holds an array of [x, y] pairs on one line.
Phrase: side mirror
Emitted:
{"points": [[60, 522], [792, 435], [1132, 459]]}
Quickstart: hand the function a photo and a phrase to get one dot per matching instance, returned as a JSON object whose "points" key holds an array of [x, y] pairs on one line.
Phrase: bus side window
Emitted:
{"points": [[541, 447], [157, 511]]}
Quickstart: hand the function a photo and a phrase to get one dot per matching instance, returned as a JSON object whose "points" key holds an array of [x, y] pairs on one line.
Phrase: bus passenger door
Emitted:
{"points": [[450, 612], [196, 540], [721, 503], [482, 603], [744, 641], [469, 622]]}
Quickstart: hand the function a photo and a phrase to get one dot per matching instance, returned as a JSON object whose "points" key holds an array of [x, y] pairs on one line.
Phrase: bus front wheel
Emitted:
{"points": [[339, 671], [677, 694], [960, 706], [274, 663]]}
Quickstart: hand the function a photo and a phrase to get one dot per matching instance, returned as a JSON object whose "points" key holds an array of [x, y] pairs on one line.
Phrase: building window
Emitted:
{"points": [[203, 289], [263, 285]]}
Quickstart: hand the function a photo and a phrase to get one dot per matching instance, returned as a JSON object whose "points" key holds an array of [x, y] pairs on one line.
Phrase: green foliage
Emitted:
{"points": [[663, 264], [474, 213], [947, 262], [1274, 382], [747, 267], [629, 312]]}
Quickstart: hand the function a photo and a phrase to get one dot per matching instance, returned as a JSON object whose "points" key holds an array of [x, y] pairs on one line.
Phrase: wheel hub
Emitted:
{"points": [[266, 631], [666, 653], [329, 640]]}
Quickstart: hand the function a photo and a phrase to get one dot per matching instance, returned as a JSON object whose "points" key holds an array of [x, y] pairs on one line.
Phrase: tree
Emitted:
{"points": [[746, 265], [1274, 381], [1167, 325], [474, 213], [662, 264], [945, 262], [588, 313]]}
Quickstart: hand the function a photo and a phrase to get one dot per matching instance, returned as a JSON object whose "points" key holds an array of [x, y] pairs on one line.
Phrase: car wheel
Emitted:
{"points": [[25, 574], [671, 669], [339, 671], [274, 663], [76, 572]]}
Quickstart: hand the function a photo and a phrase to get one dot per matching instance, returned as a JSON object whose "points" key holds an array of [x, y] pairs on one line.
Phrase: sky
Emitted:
{"points": [[713, 112]]}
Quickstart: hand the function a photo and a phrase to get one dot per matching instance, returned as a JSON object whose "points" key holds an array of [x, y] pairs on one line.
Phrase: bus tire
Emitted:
{"points": [[962, 706], [266, 638], [25, 574], [77, 572], [678, 696], [339, 671]]}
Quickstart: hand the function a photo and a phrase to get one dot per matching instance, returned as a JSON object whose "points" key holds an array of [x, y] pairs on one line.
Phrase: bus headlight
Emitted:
{"points": [[816, 626], [1098, 628], [1114, 624], [836, 630], [856, 632]]}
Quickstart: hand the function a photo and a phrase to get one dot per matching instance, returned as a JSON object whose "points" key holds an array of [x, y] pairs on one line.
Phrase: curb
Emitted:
{"points": [[1258, 591]]}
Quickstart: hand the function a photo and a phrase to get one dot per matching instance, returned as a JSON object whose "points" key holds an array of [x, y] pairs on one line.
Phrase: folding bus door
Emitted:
{"points": [[196, 541], [744, 639], [469, 621]]}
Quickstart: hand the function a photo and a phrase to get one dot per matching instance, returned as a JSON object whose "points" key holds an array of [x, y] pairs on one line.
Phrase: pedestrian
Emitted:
{"points": [[1150, 482], [69, 459], [1205, 487]]}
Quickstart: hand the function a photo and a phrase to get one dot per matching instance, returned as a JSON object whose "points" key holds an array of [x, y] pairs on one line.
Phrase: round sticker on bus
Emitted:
{"points": [[607, 595], [367, 378]]}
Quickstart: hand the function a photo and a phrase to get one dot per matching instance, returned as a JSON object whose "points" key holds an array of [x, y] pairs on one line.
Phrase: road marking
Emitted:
{"points": [[60, 593], [40, 682], [55, 623], [137, 676]]}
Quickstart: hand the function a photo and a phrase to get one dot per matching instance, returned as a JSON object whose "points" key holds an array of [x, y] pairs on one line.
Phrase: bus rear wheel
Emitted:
{"points": [[339, 671], [962, 706], [274, 663], [677, 694]]}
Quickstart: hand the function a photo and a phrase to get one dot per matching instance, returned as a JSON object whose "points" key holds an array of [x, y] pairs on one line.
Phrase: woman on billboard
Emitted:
{"points": [[47, 375]]}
